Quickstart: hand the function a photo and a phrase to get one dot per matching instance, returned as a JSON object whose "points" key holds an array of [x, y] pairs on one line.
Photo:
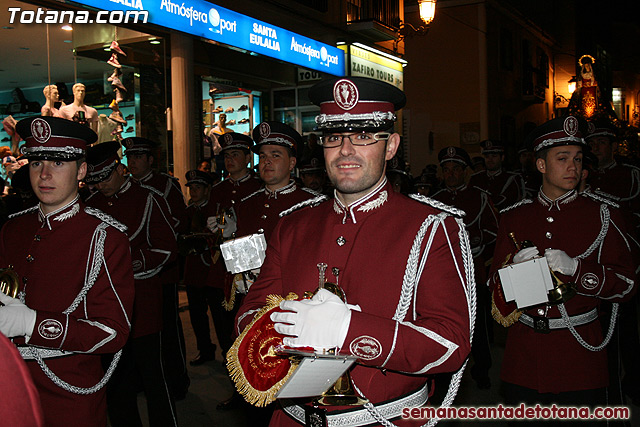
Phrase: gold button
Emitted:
{"points": [[30, 258], [549, 235], [341, 241], [549, 219]]}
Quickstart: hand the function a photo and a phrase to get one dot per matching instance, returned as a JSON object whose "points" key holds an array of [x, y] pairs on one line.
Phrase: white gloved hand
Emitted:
{"points": [[230, 225], [526, 254], [16, 319], [212, 224], [561, 262], [321, 322]]}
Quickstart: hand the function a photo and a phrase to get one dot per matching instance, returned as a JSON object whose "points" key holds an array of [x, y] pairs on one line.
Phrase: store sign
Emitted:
{"points": [[204, 19], [305, 75], [368, 64]]}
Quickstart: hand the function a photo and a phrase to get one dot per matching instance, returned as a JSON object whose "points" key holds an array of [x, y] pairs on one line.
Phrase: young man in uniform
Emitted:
{"points": [[409, 325], [75, 278], [481, 222], [200, 293], [140, 153], [584, 241], [504, 187], [153, 245]]}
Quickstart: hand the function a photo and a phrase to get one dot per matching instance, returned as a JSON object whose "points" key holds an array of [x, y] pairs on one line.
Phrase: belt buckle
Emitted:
{"points": [[315, 416], [541, 324]]}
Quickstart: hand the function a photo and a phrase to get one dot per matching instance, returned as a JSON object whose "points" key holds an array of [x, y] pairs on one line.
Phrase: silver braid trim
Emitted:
{"points": [[604, 219], [583, 343], [106, 218], [376, 118], [94, 264]]}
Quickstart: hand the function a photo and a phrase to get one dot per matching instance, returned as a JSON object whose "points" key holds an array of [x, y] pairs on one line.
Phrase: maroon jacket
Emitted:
{"points": [[153, 245], [224, 195], [623, 182], [584, 228], [75, 269], [401, 335], [196, 266], [505, 188]]}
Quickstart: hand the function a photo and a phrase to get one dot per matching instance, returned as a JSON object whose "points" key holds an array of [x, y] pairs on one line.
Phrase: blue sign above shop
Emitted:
{"points": [[204, 19]]}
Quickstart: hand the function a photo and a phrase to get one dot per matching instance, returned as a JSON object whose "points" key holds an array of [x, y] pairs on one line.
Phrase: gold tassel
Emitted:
{"points": [[505, 321]]}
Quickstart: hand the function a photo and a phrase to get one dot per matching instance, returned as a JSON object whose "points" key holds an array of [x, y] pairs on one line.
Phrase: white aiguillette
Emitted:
{"points": [[528, 282], [244, 253], [315, 374]]}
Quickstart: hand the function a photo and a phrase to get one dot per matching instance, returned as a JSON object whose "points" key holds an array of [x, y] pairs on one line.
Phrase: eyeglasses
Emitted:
{"points": [[359, 139]]}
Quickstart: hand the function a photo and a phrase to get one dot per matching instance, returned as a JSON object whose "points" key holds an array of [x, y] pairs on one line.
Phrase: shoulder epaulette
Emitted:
{"points": [[309, 202], [106, 218], [166, 175], [310, 191], [438, 205], [477, 173], [151, 189], [481, 189], [217, 183], [515, 205], [31, 209], [252, 194], [601, 197]]}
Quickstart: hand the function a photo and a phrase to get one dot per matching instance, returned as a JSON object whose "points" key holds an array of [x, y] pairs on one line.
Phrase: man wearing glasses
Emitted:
{"points": [[405, 266]]}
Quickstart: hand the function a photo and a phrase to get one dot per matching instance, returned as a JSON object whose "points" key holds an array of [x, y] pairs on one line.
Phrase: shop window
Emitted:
{"points": [[284, 98]]}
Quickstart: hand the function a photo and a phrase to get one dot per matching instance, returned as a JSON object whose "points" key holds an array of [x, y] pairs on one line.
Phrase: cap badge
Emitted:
{"points": [[40, 130], [451, 152], [128, 143], [591, 127], [345, 94], [570, 125], [192, 175], [228, 139], [315, 162], [265, 130], [489, 144]]}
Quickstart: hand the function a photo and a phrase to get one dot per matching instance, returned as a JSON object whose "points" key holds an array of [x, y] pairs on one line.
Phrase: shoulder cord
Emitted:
{"points": [[96, 261], [409, 285], [612, 326], [605, 218]]}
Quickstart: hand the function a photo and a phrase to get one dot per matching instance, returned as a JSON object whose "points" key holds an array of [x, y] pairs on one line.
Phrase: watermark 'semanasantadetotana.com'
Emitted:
{"points": [[46, 16]]}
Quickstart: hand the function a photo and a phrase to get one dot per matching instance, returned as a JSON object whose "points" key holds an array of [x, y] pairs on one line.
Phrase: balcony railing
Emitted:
{"points": [[386, 12]]}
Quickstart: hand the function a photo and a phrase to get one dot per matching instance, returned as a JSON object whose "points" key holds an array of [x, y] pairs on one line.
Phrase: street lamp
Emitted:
{"points": [[427, 10]]}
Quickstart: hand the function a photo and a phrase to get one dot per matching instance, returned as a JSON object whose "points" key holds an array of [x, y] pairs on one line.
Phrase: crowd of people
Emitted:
{"points": [[99, 250]]}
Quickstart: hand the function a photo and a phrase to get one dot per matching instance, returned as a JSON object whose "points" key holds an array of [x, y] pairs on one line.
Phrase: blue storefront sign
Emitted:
{"points": [[204, 19]]}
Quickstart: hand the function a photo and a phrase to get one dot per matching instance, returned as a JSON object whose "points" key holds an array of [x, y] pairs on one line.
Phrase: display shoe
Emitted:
{"points": [[117, 83], [117, 72], [245, 120], [5, 139], [117, 116], [244, 107], [129, 129], [129, 117], [113, 61], [231, 122], [114, 105], [229, 110], [119, 97], [217, 110], [116, 47]]}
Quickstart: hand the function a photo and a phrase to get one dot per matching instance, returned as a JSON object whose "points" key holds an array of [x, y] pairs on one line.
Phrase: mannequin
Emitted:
{"points": [[51, 95], [78, 109]]}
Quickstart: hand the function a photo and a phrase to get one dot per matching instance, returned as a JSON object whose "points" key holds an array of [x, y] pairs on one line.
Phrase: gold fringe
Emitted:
{"points": [[505, 321], [256, 397], [228, 305]]}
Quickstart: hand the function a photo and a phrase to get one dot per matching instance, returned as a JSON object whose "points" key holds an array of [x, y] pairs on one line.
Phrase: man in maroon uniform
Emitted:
{"points": [[481, 223], [504, 187], [140, 161], [146, 215], [197, 253], [545, 360], [259, 212], [76, 285], [224, 196], [622, 181], [414, 320]]}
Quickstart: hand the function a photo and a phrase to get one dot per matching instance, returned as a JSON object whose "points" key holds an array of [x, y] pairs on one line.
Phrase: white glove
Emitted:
{"points": [[526, 254], [212, 223], [230, 225], [16, 319], [321, 322], [228, 228], [561, 262]]}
